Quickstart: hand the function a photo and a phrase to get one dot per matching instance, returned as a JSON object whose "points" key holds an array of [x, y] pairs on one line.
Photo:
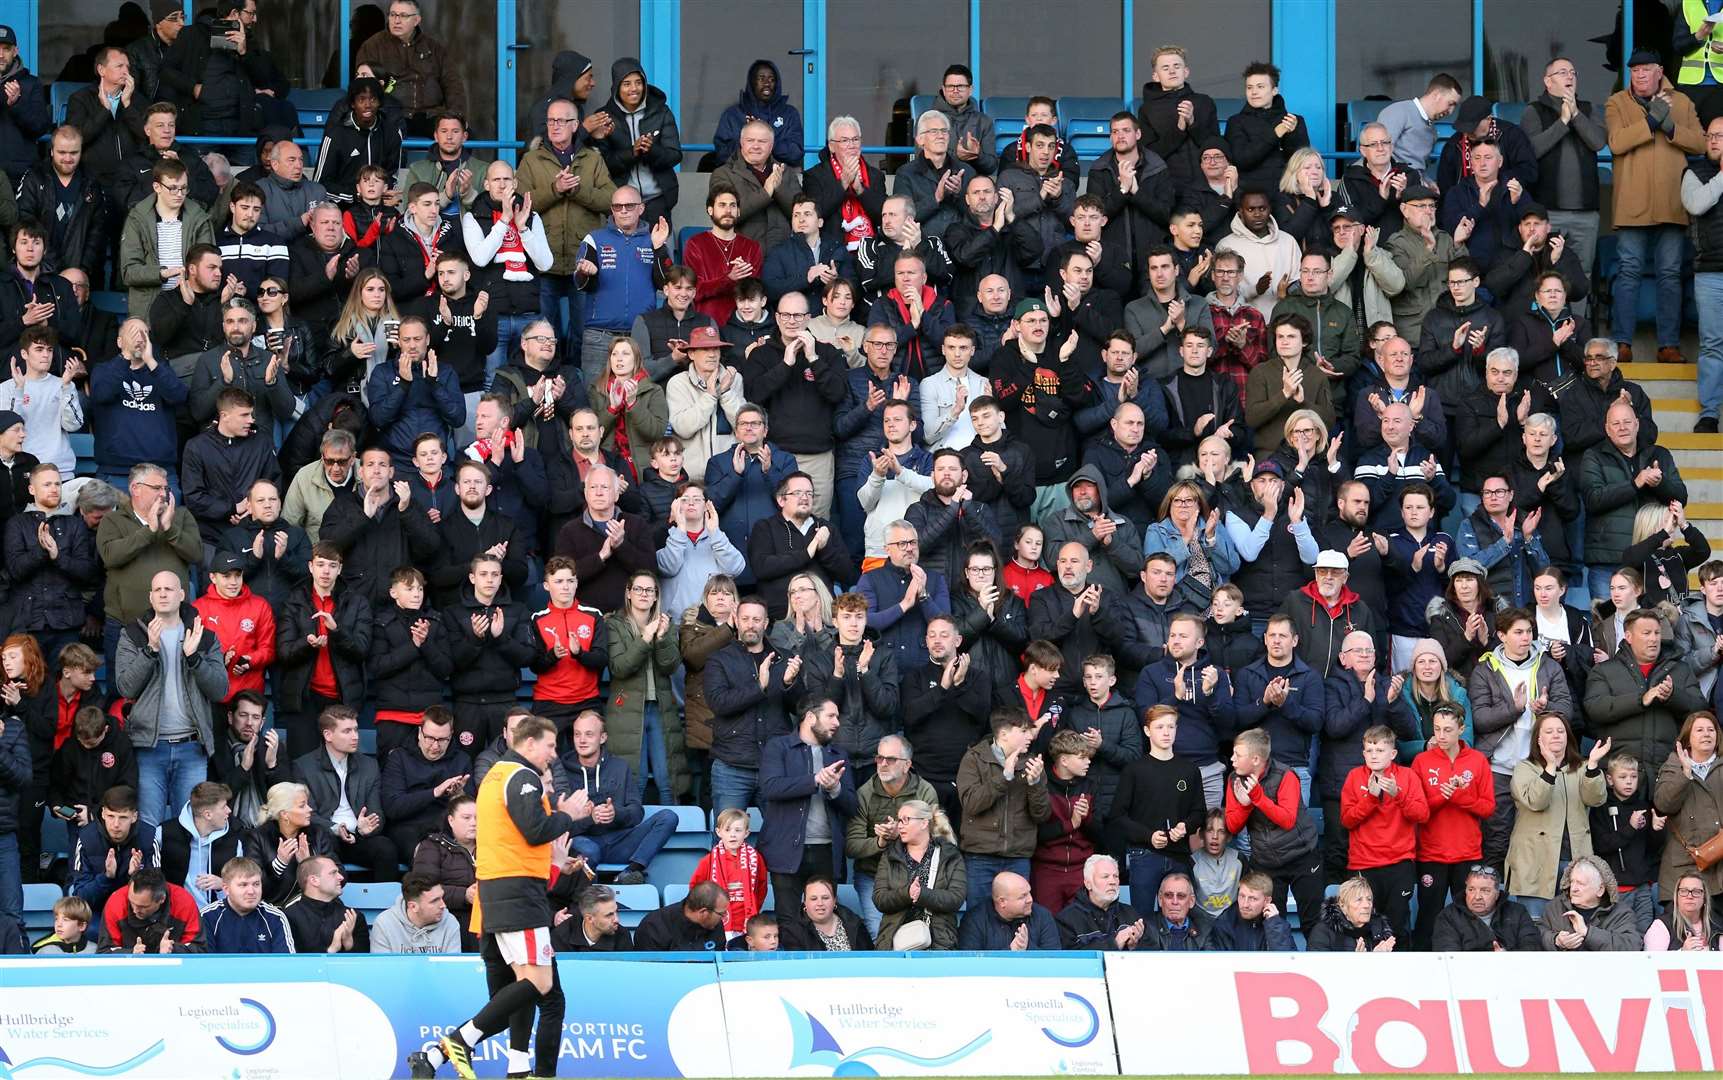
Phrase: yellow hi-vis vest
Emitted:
{"points": [[1701, 61]]}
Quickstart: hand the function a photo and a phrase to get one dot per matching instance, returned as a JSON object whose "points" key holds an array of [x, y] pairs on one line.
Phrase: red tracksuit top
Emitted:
{"points": [[569, 682], [1454, 833], [1382, 826]]}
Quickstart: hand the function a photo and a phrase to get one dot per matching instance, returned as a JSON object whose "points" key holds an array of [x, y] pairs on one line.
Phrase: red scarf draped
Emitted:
{"points": [[512, 254], [857, 225], [619, 409], [914, 363]]}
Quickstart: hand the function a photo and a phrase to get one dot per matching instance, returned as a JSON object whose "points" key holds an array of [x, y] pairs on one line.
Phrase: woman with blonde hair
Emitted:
{"points": [[1309, 460], [630, 406], [367, 328], [1350, 923], [288, 838], [808, 622], [1195, 537], [1303, 199], [1689, 925], [1662, 562], [921, 879]]}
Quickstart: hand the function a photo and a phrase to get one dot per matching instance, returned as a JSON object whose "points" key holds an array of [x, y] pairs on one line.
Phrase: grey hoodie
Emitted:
{"points": [[564, 69], [1116, 562], [393, 932]]}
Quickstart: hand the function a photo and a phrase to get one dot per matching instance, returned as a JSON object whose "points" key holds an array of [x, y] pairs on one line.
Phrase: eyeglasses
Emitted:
{"points": [[337, 461], [792, 314], [1374, 144], [871, 344], [432, 740], [627, 205], [174, 189], [271, 290], [845, 140], [644, 590], [799, 494], [1184, 500], [887, 759], [978, 570], [1496, 491], [1461, 280], [1302, 431], [1690, 892], [902, 543], [1483, 870], [551, 338], [957, 86], [559, 119]]}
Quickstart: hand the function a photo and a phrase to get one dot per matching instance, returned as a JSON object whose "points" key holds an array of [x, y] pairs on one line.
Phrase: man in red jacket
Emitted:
{"points": [[1458, 788], [1382, 805], [242, 621], [151, 915]]}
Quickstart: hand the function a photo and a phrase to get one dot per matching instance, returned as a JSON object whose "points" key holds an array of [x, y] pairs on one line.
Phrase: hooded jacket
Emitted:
{"points": [[565, 69], [402, 675], [656, 169], [1610, 927], [1116, 562], [394, 932], [777, 111], [969, 120], [77, 776], [1136, 221], [347, 148], [1322, 626], [177, 918], [1494, 716], [1274, 253], [23, 121], [185, 854]]}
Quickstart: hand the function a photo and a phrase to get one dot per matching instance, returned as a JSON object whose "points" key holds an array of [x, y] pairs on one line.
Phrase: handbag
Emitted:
{"points": [[1706, 855], [917, 934]]}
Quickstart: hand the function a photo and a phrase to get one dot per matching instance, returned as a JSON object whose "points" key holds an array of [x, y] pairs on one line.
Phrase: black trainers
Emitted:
{"points": [[419, 1066], [631, 877], [1707, 425]]}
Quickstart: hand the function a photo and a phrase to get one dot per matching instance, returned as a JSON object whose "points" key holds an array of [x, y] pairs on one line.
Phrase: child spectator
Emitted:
{"points": [[1230, 641], [431, 481], [408, 665], [1217, 869], [1024, 574], [762, 932], [1072, 832], [85, 766], [1627, 834], [1462, 796], [71, 920], [1381, 803], [1158, 807], [1042, 662], [1107, 721], [367, 218], [735, 866], [660, 484]]}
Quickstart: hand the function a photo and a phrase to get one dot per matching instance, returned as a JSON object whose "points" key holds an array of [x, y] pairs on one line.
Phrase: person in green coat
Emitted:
{"points": [[921, 876], [643, 654], [632, 407], [142, 267]]}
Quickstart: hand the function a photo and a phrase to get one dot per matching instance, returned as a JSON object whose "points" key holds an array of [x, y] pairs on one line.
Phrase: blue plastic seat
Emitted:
{"points": [[1361, 112], [58, 95], [633, 902], [371, 896], [39, 901], [1087, 122], [1007, 113], [918, 104], [1511, 111], [1225, 108]]}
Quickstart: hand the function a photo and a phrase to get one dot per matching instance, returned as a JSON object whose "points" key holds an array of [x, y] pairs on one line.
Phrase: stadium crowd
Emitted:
{"points": [[1200, 522]]}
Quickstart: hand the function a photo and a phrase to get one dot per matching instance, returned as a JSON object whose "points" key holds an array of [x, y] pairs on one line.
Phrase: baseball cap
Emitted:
{"points": [[1332, 560]]}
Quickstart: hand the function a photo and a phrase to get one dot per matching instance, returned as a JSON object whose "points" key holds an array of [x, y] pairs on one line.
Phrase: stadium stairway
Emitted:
{"points": [[1673, 389]]}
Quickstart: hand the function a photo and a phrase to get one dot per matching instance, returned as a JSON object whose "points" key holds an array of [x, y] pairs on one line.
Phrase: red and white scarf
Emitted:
{"points": [[512, 253], [857, 225], [748, 860]]}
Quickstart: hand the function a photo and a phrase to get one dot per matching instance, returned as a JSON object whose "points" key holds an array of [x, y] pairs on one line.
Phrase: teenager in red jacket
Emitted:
{"points": [[1381, 805], [241, 620], [572, 651], [1457, 786]]}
